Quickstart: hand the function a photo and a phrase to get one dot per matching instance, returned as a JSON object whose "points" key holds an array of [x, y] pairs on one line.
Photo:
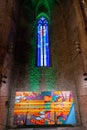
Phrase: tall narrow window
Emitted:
{"points": [[43, 55]]}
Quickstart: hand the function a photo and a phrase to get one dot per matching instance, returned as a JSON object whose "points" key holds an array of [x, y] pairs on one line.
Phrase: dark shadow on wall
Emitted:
{"points": [[23, 48]]}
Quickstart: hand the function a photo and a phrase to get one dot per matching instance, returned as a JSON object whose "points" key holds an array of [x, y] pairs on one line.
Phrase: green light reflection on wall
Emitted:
{"points": [[50, 78], [34, 72]]}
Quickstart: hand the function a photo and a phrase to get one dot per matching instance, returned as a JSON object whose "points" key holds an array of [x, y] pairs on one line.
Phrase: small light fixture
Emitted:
{"points": [[85, 74], [3, 76], [3, 81], [77, 46], [85, 79], [7, 103]]}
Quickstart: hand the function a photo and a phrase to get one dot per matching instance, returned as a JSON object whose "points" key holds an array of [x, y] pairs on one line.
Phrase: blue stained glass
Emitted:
{"points": [[39, 47], [43, 58]]}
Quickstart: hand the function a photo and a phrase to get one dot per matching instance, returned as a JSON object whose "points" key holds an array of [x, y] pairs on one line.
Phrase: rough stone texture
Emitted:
{"points": [[54, 128], [77, 33], [5, 58], [5, 19]]}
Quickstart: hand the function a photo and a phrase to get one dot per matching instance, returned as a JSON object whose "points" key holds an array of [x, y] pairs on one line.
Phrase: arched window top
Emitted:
{"points": [[42, 21], [43, 6], [43, 17]]}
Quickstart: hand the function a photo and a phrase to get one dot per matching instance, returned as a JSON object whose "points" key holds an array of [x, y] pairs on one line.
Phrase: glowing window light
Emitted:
{"points": [[43, 58]]}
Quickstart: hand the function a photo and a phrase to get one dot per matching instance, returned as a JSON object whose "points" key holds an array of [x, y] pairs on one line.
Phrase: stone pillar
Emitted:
{"points": [[81, 84], [82, 31]]}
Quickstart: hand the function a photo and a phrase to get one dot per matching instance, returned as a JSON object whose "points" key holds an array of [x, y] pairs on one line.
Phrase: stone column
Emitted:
{"points": [[82, 31], [81, 84]]}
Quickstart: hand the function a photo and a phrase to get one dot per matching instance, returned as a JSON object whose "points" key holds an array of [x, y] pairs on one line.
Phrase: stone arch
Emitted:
{"points": [[43, 6]]}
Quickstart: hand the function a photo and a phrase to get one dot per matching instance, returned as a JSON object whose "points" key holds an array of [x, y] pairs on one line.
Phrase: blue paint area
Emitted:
{"points": [[55, 97], [71, 119], [46, 93]]}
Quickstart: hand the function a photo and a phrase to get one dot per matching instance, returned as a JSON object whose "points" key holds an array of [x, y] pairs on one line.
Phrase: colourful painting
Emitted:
{"points": [[44, 108]]}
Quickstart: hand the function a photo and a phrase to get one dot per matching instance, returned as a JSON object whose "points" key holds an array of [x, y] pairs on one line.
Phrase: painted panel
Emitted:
{"points": [[44, 108]]}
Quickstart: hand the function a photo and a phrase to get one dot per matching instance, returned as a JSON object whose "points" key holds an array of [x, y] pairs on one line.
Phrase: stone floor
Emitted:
{"points": [[55, 128]]}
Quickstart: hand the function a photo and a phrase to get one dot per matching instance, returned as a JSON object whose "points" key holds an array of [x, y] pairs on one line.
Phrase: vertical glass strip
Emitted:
{"points": [[44, 40], [38, 47], [41, 41], [46, 46]]}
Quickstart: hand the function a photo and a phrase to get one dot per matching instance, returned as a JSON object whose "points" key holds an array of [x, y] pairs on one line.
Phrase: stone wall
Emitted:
{"points": [[77, 35], [6, 8], [5, 19]]}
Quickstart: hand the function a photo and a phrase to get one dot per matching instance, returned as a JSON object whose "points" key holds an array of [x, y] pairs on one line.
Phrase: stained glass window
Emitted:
{"points": [[43, 55]]}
